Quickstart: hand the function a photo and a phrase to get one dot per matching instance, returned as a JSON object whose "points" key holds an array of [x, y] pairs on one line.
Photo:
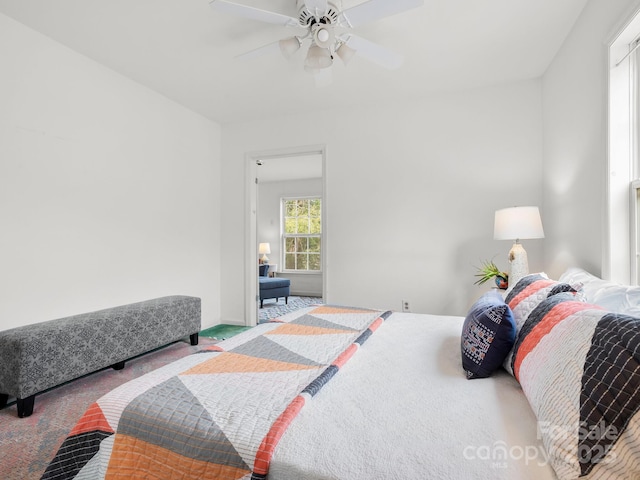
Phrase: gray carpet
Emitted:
{"points": [[272, 309], [27, 445]]}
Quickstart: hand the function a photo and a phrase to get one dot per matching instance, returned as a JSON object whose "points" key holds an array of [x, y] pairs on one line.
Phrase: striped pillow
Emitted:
{"points": [[525, 296], [579, 367]]}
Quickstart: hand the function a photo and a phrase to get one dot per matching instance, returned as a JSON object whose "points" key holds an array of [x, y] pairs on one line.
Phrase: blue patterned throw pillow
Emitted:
{"points": [[488, 334]]}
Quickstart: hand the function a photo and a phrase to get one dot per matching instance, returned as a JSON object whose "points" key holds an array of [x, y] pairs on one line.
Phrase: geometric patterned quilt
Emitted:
{"points": [[219, 413]]}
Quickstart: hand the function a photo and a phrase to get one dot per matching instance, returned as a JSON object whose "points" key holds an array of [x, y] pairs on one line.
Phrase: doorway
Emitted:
{"points": [[271, 177]]}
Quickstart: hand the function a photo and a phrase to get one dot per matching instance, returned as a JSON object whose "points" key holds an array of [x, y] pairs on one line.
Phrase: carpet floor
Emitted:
{"points": [[27, 445], [272, 309]]}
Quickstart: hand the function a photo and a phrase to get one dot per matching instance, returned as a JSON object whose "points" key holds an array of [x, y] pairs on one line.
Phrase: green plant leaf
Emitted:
{"points": [[487, 271]]}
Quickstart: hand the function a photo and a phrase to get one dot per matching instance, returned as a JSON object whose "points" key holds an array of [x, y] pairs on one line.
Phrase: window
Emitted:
{"points": [[635, 233], [634, 220], [302, 233], [619, 259]]}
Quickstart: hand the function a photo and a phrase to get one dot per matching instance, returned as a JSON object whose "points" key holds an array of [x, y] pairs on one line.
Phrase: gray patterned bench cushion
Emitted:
{"points": [[36, 357]]}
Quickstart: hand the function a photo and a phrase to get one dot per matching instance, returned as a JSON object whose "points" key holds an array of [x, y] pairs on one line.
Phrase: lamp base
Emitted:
{"points": [[264, 259], [518, 264]]}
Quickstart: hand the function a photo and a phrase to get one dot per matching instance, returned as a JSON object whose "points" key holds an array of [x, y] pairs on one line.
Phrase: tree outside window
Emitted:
{"points": [[302, 234]]}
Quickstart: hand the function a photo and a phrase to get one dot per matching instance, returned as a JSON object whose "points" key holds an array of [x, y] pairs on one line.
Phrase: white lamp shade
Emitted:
{"points": [[318, 57], [264, 248], [517, 223], [289, 46], [346, 53]]}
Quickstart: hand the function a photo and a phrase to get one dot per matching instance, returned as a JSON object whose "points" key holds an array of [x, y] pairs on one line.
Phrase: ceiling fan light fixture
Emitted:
{"points": [[346, 53], [318, 57], [289, 46], [323, 36]]}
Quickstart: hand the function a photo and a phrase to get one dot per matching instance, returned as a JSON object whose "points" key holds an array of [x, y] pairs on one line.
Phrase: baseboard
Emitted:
{"points": [[306, 294]]}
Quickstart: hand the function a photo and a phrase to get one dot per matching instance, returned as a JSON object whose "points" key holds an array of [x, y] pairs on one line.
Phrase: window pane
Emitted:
{"points": [[291, 208], [314, 207], [303, 208], [290, 225], [314, 244], [290, 245], [314, 261], [303, 225], [301, 261], [290, 261], [314, 226], [302, 245]]}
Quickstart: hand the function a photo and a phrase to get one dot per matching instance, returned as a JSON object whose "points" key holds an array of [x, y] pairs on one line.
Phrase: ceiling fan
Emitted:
{"points": [[327, 30]]}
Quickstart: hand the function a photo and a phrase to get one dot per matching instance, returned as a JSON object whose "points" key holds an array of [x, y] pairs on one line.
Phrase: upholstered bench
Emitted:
{"points": [[37, 357], [274, 287]]}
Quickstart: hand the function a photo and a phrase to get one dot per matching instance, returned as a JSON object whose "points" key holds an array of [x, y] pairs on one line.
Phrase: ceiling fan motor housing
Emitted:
{"points": [[308, 18]]}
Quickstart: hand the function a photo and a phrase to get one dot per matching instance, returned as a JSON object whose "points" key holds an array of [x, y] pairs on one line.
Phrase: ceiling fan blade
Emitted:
{"points": [[254, 13], [260, 51], [316, 7], [376, 9], [374, 52]]}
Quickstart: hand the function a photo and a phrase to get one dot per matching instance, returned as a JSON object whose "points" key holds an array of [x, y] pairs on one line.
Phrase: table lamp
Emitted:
{"points": [[517, 223], [263, 249]]}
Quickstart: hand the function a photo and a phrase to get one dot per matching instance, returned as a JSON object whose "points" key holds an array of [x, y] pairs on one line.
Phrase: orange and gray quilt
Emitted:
{"points": [[219, 413]]}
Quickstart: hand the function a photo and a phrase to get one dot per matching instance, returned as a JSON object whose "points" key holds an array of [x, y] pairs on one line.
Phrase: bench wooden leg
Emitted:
{"points": [[4, 398], [118, 366], [25, 406], [193, 338]]}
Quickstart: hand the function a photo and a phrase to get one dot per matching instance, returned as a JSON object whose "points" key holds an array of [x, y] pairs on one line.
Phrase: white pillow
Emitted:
{"points": [[612, 296]]}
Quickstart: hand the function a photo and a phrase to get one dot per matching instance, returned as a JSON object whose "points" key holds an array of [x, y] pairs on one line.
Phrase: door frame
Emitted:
{"points": [[251, 222]]}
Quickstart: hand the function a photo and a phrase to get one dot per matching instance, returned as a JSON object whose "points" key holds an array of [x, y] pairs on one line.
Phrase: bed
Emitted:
{"points": [[334, 392]]}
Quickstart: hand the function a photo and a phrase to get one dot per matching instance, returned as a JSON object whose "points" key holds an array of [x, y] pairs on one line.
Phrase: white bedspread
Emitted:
{"points": [[402, 408]]}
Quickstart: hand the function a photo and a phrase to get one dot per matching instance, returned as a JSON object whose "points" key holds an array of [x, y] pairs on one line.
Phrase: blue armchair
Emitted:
{"points": [[272, 287]]}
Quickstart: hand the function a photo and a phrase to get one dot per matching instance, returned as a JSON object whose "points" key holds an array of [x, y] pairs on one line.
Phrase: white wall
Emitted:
{"points": [[109, 192], [269, 197], [411, 193], [575, 140]]}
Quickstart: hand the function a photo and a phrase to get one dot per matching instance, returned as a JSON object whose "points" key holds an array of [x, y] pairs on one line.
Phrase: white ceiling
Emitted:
{"points": [[185, 50]]}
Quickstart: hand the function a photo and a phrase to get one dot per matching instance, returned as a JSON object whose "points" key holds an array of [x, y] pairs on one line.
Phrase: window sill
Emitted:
{"points": [[300, 272]]}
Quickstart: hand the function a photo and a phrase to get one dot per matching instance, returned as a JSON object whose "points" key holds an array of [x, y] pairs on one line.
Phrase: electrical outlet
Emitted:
{"points": [[405, 306]]}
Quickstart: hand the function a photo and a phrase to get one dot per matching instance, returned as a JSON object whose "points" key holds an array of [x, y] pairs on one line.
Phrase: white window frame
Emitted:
{"points": [[635, 230], [619, 252], [284, 236]]}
